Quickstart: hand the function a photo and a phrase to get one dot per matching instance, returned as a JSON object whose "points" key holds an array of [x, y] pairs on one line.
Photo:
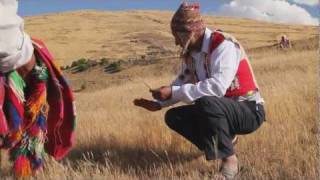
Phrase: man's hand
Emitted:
{"points": [[147, 104], [161, 94]]}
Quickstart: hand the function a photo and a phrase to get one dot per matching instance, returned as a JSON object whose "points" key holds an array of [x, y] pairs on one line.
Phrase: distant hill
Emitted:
{"points": [[135, 34]]}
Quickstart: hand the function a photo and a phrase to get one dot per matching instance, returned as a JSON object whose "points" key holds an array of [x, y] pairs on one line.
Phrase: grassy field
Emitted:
{"points": [[116, 140]]}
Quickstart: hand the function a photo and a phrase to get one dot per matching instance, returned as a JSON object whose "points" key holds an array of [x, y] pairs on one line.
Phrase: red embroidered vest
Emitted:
{"points": [[244, 83]]}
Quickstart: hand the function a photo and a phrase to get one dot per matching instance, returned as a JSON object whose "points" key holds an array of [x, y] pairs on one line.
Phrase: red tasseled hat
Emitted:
{"points": [[187, 18]]}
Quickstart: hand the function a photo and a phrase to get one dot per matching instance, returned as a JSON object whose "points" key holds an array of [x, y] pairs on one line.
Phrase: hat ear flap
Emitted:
{"points": [[186, 45]]}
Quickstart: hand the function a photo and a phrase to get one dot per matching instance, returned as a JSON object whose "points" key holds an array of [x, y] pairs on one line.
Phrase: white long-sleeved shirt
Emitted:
{"points": [[225, 60]]}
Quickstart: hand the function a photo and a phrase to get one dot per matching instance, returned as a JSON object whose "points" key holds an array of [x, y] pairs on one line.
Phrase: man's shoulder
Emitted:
{"points": [[229, 38], [216, 40]]}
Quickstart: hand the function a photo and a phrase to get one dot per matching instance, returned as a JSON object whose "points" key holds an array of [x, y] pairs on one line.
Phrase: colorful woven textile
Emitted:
{"points": [[39, 115]]}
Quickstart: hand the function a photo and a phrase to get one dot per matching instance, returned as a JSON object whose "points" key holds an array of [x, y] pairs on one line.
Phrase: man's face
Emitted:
{"points": [[188, 40]]}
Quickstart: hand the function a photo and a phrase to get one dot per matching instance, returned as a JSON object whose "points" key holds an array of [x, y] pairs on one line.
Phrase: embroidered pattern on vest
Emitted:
{"points": [[244, 82], [235, 84]]}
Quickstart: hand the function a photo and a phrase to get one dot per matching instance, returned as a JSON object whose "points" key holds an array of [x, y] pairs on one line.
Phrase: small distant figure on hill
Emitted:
{"points": [[218, 85], [284, 42], [36, 103]]}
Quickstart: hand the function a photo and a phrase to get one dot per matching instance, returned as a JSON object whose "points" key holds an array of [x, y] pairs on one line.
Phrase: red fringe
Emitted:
{"points": [[22, 167]]}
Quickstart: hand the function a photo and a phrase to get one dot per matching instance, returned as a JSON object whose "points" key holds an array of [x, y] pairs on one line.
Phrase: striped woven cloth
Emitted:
{"points": [[37, 117]]}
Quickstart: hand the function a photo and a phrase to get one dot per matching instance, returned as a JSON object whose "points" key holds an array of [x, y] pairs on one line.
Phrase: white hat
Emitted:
{"points": [[15, 45]]}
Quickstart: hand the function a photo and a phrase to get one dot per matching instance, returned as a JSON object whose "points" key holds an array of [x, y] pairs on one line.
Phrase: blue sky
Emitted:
{"points": [[45, 6], [296, 11]]}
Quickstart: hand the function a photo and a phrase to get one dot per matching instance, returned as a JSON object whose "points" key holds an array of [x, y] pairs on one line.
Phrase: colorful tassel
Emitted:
{"points": [[3, 121], [42, 118], [17, 84], [13, 139], [22, 167], [36, 102], [37, 165], [34, 130], [3, 124], [26, 109]]}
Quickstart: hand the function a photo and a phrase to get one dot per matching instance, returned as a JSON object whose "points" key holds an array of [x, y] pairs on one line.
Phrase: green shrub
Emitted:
{"points": [[79, 62], [82, 67], [104, 61], [113, 67]]}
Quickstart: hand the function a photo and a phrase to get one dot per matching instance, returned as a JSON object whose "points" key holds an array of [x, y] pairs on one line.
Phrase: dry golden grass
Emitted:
{"points": [[119, 141], [116, 140]]}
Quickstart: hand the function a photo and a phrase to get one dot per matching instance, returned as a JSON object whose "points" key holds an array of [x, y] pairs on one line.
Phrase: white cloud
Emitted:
{"points": [[269, 10], [307, 2]]}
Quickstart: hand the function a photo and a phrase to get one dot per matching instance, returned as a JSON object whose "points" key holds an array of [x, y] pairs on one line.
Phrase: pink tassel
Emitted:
{"points": [[22, 167], [3, 121], [34, 131]]}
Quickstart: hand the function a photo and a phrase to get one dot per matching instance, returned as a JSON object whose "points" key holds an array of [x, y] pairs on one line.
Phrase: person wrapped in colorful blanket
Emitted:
{"points": [[37, 114]]}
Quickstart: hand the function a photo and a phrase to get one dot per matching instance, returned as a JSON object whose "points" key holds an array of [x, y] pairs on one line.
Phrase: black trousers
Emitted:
{"points": [[211, 123]]}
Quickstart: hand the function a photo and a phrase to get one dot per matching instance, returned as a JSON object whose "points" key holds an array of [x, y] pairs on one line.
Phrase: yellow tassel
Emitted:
{"points": [[35, 107]]}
